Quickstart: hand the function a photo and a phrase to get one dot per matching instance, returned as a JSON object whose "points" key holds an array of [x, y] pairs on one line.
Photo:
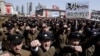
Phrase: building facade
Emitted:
{"points": [[9, 9], [50, 13], [6, 8], [2, 7]]}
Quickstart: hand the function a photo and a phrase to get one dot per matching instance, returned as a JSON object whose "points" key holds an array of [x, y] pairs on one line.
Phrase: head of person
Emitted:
{"points": [[10, 27], [65, 26], [46, 39], [98, 25], [16, 42], [45, 27], [94, 32], [4, 27], [75, 38], [33, 27], [21, 25], [57, 25]]}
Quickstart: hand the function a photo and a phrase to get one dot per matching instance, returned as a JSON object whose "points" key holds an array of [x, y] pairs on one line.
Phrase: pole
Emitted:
{"points": [[76, 27]]}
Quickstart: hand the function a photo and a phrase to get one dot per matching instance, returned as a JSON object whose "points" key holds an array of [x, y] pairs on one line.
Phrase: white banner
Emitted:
{"points": [[77, 10], [95, 15], [55, 14]]}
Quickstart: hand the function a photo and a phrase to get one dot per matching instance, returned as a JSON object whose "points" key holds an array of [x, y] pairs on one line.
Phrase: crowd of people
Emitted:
{"points": [[27, 36]]}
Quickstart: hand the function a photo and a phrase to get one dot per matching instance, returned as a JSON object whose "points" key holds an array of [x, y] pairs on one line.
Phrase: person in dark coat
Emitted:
{"points": [[16, 43], [43, 45]]}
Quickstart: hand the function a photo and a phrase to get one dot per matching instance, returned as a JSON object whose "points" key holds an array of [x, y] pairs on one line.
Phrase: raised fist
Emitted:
{"points": [[35, 43], [78, 48]]}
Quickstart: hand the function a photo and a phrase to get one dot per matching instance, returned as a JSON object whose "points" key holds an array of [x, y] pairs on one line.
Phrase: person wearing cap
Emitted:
{"points": [[43, 45], [75, 47], [3, 32], [16, 43], [63, 34], [10, 31], [45, 27], [95, 51], [21, 28], [32, 34], [90, 50], [61, 37], [92, 45], [1, 42], [72, 47]]}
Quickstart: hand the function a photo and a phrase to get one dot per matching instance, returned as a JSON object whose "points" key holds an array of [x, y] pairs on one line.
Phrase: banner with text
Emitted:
{"points": [[77, 10], [55, 14], [95, 15]]}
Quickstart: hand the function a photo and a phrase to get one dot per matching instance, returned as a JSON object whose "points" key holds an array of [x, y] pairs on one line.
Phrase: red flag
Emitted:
{"points": [[8, 8]]}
